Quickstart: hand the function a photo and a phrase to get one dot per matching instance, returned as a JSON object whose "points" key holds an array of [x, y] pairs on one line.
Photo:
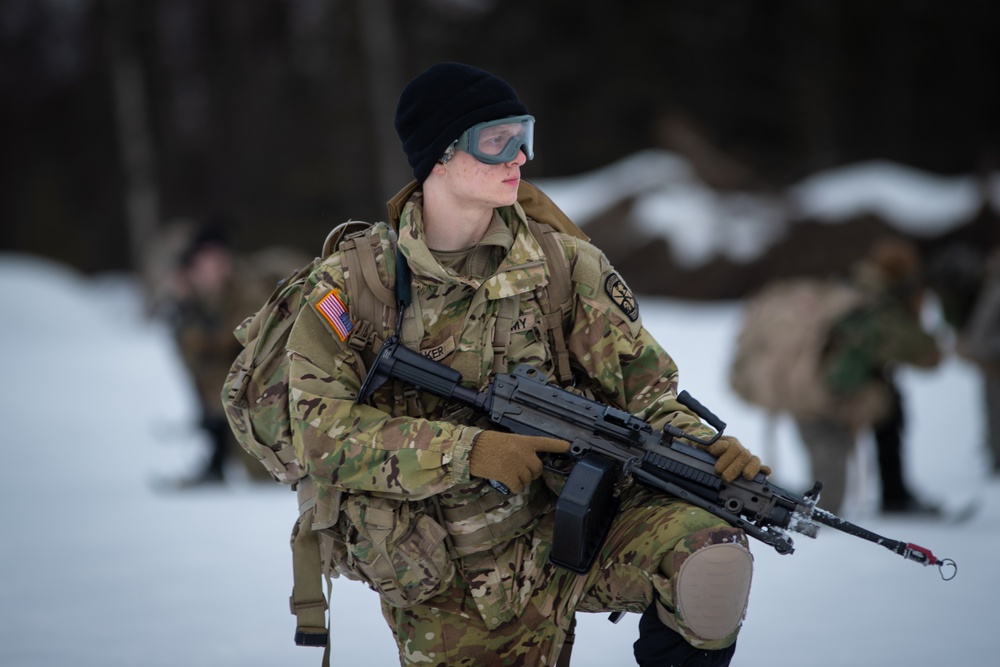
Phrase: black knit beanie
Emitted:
{"points": [[444, 101]]}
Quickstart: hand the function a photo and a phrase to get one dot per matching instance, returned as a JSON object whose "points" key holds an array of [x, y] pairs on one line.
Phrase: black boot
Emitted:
{"points": [[896, 497], [213, 471], [889, 448], [659, 646]]}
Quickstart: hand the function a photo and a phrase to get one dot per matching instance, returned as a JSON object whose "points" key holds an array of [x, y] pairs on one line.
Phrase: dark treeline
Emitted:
{"points": [[117, 115]]}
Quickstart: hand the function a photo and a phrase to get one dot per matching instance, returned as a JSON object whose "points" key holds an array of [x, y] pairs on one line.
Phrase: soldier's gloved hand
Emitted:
{"points": [[511, 459], [734, 459]]}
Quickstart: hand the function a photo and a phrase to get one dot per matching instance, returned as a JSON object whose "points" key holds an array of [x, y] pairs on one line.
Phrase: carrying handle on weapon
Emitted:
{"points": [[695, 406]]}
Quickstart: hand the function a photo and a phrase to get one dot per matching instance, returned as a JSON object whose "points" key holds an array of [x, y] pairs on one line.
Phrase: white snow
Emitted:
{"points": [[671, 201], [97, 569], [916, 202]]}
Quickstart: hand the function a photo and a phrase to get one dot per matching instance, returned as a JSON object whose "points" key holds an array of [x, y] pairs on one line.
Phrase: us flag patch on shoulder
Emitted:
{"points": [[334, 311]]}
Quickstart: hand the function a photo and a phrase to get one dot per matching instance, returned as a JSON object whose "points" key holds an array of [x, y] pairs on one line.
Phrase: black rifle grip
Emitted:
{"points": [[689, 401]]}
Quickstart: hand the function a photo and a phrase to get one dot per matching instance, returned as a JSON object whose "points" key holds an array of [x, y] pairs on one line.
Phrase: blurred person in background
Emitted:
{"points": [[967, 281], [208, 298], [887, 332], [825, 352]]}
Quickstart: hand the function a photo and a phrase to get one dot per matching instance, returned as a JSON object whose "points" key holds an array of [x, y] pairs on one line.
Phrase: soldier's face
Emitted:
{"points": [[487, 185], [211, 269]]}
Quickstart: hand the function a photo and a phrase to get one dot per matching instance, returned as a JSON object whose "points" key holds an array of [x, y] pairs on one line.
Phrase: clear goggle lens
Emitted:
{"points": [[498, 141]]}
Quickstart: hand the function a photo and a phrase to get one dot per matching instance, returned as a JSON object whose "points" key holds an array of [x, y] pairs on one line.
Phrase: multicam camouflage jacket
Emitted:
{"points": [[415, 448]]}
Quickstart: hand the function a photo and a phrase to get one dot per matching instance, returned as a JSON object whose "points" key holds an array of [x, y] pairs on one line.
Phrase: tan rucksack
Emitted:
{"points": [[781, 341], [255, 393]]}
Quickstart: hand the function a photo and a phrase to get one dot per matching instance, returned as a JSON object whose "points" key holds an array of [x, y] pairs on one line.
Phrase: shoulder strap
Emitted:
{"points": [[341, 232], [307, 601], [373, 303], [557, 300], [506, 316], [363, 278]]}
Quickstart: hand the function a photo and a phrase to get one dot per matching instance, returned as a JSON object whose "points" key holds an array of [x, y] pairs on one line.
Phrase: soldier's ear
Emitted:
{"points": [[439, 168]]}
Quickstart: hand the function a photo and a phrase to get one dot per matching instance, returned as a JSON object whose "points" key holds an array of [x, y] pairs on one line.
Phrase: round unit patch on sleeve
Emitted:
{"points": [[622, 296]]}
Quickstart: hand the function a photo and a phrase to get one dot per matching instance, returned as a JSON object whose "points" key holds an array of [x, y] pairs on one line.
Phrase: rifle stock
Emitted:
{"points": [[610, 445]]}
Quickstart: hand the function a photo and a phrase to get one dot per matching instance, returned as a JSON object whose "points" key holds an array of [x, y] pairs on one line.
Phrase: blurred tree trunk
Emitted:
{"points": [[379, 45], [135, 144]]}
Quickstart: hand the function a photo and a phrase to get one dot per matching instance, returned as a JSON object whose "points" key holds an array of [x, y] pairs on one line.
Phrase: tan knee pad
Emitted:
{"points": [[712, 589]]}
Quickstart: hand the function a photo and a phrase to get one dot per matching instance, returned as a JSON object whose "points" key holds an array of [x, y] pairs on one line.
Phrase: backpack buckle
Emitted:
{"points": [[362, 335], [239, 386]]}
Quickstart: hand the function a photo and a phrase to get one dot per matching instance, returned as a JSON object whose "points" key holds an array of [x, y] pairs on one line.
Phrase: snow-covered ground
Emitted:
{"points": [[97, 569]]}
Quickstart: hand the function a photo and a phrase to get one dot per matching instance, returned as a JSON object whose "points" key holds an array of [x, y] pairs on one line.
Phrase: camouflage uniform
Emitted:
{"points": [[498, 600], [203, 326]]}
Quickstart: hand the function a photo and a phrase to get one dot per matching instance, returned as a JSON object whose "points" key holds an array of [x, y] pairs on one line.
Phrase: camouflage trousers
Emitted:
{"points": [[650, 538]]}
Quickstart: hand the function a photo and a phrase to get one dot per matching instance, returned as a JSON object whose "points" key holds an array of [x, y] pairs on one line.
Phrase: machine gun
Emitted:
{"points": [[609, 446]]}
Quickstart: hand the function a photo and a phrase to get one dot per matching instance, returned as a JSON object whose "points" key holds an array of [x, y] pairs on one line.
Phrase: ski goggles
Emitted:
{"points": [[498, 141]]}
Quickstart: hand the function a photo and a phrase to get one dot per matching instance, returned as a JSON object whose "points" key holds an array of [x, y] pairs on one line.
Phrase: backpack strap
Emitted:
{"points": [[373, 303], [307, 602], [341, 232], [557, 299], [369, 299], [379, 309], [506, 316]]}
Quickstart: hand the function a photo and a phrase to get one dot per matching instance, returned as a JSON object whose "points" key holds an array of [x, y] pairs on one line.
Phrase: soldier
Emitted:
{"points": [[967, 280], [859, 355], [463, 570], [211, 295]]}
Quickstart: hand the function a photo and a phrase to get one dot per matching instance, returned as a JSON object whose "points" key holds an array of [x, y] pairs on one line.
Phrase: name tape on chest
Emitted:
{"points": [[524, 322]]}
